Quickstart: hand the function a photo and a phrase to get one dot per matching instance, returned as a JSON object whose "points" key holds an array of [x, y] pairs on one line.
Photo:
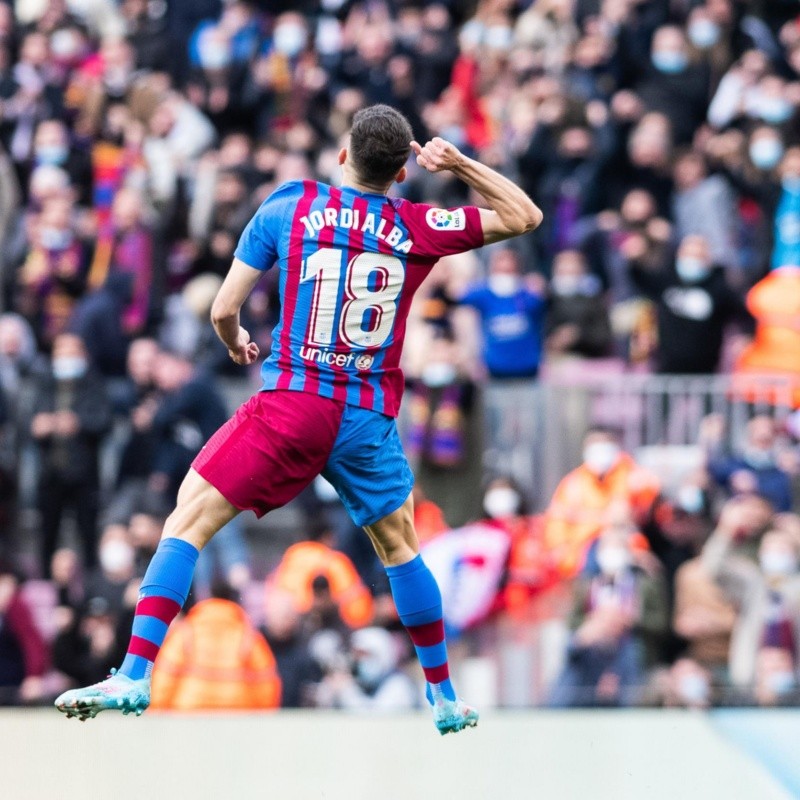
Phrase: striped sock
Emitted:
{"points": [[419, 605], [164, 590]]}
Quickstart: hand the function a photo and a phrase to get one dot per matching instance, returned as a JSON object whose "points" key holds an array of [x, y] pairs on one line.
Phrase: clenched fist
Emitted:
{"points": [[438, 155]]}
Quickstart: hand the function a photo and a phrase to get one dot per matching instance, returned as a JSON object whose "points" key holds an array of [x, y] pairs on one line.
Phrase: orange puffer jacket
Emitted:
{"points": [[303, 562], [215, 659]]}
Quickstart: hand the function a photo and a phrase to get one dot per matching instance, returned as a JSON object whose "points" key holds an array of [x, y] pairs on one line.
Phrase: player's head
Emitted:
{"points": [[380, 143]]}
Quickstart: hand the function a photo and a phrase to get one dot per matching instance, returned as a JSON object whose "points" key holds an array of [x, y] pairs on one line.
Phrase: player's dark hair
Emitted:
{"points": [[380, 143]]}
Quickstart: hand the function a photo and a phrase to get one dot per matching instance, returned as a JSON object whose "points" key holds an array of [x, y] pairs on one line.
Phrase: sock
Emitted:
{"points": [[419, 605], [164, 590]]}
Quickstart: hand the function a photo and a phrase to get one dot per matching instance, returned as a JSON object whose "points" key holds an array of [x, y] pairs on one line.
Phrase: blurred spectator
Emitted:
{"points": [[296, 667], [511, 314], [188, 412], [23, 653], [765, 593], [703, 615], [688, 685], [694, 304], [88, 649], [128, 251], [705, 205], [375, 683], [304, 562], [578, 509], [618, 619], [214, 658], [98, 320], [755, 467], [116, 568], [70, 415], [577, 317]]}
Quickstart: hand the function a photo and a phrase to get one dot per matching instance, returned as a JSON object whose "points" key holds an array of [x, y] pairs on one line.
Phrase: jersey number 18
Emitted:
{"points": [[372, 284]]}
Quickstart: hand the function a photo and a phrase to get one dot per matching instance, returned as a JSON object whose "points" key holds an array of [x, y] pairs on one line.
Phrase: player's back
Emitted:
{"points": [[350, 263]]}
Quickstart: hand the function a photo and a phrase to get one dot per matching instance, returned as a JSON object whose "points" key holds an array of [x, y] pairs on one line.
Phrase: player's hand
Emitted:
{"points": [[438, 155], [245, 352]]}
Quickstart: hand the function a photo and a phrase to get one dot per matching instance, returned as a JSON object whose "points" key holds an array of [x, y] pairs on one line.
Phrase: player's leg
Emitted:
{"points": [[370, 472], [200, 512], [264, 456], [419, 606]]}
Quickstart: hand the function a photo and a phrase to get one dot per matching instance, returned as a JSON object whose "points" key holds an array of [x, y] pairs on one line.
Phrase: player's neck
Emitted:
{"points": [[349, 183]]}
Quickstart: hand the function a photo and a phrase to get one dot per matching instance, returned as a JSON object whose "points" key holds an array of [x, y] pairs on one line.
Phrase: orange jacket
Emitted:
{"points": [[215, 658], [775, 303], [429, 521], [576, 513], [303, 562]]}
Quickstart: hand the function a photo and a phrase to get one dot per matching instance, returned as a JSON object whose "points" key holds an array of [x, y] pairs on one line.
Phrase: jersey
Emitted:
{"points": [[350, 263]]}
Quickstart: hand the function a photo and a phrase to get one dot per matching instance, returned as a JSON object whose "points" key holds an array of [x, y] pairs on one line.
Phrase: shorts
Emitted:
{"points": [[279, 441]]}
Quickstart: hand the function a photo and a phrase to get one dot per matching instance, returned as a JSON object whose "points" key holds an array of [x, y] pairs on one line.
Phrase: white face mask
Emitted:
{"points": [[116, 557], [781, 682], [690, 499], [778, 563], [324, 490], [691, 270], [599, 457], [612, 560], [501, 502], [439, 374], [69, 368], [370, 671], [703, 33], [693, 688], [503, 285], [289, 39]]}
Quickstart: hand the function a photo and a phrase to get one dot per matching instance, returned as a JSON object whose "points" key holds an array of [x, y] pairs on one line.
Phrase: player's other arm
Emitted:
{"points": [[511, 211], [235, 289]]}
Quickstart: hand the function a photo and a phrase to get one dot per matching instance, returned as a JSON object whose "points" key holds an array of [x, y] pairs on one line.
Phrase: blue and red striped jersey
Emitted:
{"points": [[350, 263]]}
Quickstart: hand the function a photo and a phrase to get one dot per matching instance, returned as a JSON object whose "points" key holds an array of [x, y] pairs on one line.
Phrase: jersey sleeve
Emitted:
{"points": [[438, 232], [258, 244]]}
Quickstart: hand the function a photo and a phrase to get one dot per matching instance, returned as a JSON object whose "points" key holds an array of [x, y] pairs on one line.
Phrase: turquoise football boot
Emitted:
{"points": [[116, 693], [452, 716]]}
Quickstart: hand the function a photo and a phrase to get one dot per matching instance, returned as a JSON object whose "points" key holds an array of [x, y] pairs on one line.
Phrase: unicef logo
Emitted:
{"points": [[364, 362]]}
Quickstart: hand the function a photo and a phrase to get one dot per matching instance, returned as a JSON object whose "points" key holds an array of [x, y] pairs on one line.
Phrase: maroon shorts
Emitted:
{"points": [[271, 449]]}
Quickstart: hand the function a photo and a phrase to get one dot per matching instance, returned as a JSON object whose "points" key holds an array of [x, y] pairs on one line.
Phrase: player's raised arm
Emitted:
{"points": [[512, 212], [235, 289]]}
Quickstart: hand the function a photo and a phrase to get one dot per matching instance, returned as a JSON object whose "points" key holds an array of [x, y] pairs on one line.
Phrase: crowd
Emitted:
{"points": [[662, 141]]}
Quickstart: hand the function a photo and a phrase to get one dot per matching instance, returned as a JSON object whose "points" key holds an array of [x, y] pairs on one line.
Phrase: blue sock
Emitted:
{"points": [[419, 605], [164, 590]]}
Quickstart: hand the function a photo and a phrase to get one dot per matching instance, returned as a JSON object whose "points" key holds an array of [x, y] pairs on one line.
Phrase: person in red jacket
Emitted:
{"points": [[23, 652]]}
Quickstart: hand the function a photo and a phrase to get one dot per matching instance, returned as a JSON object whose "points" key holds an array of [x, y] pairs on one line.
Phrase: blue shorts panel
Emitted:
{"points": [[367, 466]]}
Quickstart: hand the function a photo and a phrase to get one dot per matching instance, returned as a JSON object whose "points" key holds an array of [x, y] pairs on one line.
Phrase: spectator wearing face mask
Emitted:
{"points": [[673, 85], [577, 512], [52, 147], [694, 307], [577, 317], [766, 594], [618, 618], [375, 682], [116, 568], [71, 414], [53, 274], [688, 685], [511, 315], [704, 616], [706, 205], [755, 468]]}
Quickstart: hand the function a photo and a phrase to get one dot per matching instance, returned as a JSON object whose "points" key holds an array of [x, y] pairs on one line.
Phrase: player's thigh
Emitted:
{"points": [[271, 449], [370, 472], [394, 537], [200, 512]]}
